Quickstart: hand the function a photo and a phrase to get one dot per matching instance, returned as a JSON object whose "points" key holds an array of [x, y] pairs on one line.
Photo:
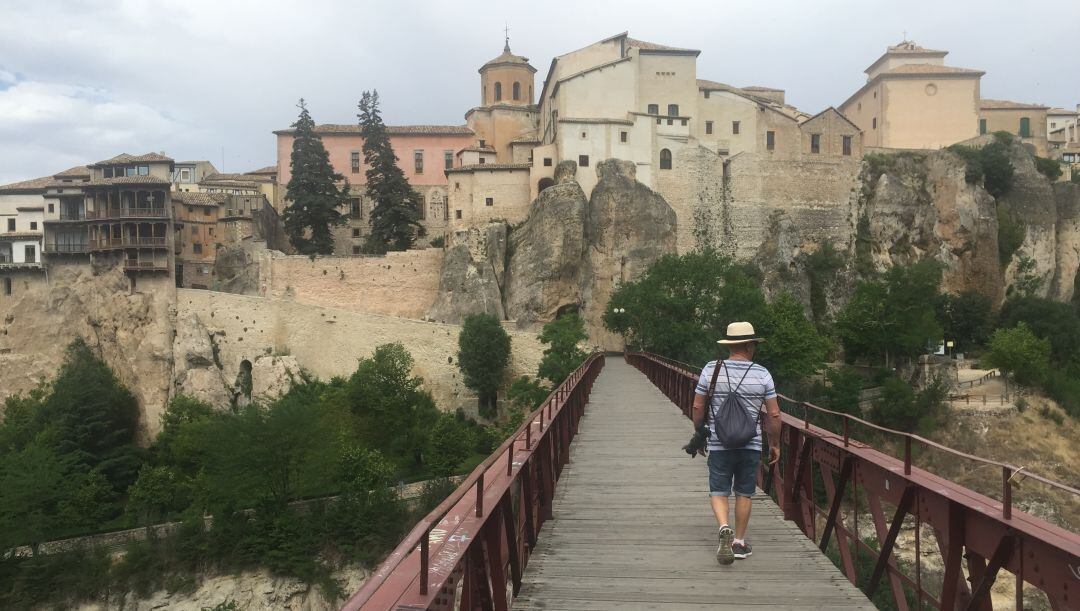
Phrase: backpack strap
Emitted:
{"points": [[712, 386]]}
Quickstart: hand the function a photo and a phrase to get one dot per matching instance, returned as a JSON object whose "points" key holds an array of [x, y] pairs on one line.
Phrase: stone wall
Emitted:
{"points": [[402, 284], [329, 341]]}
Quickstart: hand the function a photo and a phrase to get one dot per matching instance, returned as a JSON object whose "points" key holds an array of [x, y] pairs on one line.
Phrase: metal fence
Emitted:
{"points": [[471, 550], [987, 535]]}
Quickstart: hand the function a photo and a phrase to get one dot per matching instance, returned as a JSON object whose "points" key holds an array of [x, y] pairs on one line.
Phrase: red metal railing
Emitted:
{"points": [[471, 550], [989, 534]]}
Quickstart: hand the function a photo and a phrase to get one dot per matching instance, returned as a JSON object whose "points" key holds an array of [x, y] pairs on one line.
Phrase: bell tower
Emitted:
{"points": [[507, 79]]}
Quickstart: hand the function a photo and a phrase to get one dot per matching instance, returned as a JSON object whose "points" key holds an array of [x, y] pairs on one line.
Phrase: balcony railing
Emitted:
{"points": [[6, 264], [156, 266], [67, 248], [127, 242], [117, 213]]}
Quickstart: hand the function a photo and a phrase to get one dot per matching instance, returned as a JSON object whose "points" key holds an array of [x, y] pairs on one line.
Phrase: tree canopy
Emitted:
{"points": [[315, 200], [483, 356], [562, 355], [1017, 351]]}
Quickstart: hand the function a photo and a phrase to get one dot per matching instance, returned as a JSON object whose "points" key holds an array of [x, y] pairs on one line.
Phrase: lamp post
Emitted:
{"points": [[620, 311]]}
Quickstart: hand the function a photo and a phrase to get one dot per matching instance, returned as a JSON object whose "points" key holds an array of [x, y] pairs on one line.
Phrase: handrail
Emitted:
{"points": [[418, 539], [906, 436]]}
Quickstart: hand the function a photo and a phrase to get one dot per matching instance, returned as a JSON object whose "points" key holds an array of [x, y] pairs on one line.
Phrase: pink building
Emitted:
{"points": [[424, 152]]}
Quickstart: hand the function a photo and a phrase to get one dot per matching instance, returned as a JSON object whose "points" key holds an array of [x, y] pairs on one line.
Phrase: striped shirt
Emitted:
{"points": [[756, 387]]}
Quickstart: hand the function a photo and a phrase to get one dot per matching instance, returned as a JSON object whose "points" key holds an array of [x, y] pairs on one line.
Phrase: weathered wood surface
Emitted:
{"points": [[633, 528]]}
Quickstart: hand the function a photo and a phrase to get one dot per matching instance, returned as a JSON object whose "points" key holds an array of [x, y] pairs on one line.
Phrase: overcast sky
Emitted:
{"points": [[210, 79]]}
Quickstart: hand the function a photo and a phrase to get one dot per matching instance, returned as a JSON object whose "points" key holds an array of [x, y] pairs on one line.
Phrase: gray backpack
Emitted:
{"points": [[732, 422]]}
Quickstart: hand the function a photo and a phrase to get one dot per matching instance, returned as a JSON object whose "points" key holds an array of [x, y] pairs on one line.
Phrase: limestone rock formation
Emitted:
{"points": [[472, 275], [1031, 201], [236, 267], [197, 372], [272, 376], [131, 331], [1063, 285], [547, 252], [627, 227]]}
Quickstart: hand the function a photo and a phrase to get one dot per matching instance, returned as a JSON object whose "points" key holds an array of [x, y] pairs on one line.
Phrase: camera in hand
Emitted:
{"points": [[697, 442]]}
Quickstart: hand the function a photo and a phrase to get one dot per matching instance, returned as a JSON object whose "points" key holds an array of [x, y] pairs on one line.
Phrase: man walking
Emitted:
{"points": [[739, 383]]}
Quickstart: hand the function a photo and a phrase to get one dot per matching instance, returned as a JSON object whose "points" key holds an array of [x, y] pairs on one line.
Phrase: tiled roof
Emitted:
{"points": [[270, 169], [478, 149], [119, 180], [16, 235], [199, 199], [33, 184], [907, 46], [1061, 111], [525, 138], [393, 130], [760, 88], [491, 166], [246, 179], [703, 84], [634, 43], [126, 158], [75, 172], [508, 58], [931, 69], [986, 104]]}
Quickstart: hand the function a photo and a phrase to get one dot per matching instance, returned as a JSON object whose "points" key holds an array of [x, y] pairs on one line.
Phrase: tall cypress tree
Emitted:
{"points": [[395, 219], [313, 192]]}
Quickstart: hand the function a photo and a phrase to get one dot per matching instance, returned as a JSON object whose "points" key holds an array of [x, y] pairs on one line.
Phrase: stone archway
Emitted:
{"points": [[543, 184]]}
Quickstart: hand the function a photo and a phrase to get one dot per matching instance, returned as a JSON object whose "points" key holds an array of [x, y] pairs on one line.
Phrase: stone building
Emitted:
{"points": [[911, 99], [1025, 121], [188, 174], [1063, 129]]}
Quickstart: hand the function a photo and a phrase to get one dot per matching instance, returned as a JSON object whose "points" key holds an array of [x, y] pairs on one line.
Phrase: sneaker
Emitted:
{"points": [[724, 553], [741, 550]]}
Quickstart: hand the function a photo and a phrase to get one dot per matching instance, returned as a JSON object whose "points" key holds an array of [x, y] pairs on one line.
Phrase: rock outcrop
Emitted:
{"points": [[472, 275], [1067, 242], [548, 252], [1032, 203]]}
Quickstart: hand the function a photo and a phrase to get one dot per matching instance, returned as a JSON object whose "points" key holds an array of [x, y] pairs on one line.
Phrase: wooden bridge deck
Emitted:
{"points": [[632, 526]]}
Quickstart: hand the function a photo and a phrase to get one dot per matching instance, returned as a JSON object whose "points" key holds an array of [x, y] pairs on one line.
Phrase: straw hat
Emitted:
{"points": [[740, 333]]}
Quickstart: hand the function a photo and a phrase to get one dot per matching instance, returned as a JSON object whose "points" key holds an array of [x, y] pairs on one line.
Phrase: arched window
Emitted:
{"points": [[543, 184], [665, 159], [517, 91], [498, 92]]}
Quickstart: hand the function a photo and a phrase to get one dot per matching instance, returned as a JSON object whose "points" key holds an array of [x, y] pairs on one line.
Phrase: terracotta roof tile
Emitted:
{"points": [[237, 179], [34, 184], [987, 104], [634, 43], [270, 169], [907, 46], [1062, 111], [119, 180], [79, 170], [126, 158], [491, 166], [393, 130], [199, 199]]}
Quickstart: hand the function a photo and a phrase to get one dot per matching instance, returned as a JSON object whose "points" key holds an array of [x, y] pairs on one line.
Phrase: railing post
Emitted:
{"points": [[1006, 492], [480, 495], [847, 435], [907, 454], [528, 436], [510, 457], [424, 562]]}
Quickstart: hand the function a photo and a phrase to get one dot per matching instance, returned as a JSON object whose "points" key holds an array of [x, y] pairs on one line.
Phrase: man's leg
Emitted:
{"points": [[742, 515], [720, 510], [720, 479], [745, 483]]}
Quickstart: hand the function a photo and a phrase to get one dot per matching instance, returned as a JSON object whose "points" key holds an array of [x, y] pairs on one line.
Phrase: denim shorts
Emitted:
{"points": [[738, 465]]}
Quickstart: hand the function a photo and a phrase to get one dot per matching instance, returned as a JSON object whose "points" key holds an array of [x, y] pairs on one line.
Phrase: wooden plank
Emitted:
{"points": [[632, 526]]}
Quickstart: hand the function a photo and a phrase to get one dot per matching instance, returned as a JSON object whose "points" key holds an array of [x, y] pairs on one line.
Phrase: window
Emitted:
{"points": [[197, 248], [354, 208], [7, 286], [815, 143], [355, 250], [708, 127], [483, 161], [30, 253], [665, 159], [770, 140], [982, 126], [735, 127], [107, 172], [33, 225], [190, 208], [489, 201], [847, 145], [144, 170], [673, 110], [185, 175], [354, 161], [211, 231], [547, 162], [1053, 125], [623, 136], [873, 123], [517, 91], [50, 207], [654, 109], [706, 94], [1025, 127], [11, 224], [418, 161], [583, 161], [498, 92], [356, 232], [448, 159], [206, 211], [457, 214], [129, 171]]}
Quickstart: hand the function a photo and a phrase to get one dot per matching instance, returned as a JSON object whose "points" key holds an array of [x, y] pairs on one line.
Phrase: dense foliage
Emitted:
{"points": [[1018, 352], [563, 355], [483, 356], [966, 318], [990, 164], [314, 197], [395, 219]]}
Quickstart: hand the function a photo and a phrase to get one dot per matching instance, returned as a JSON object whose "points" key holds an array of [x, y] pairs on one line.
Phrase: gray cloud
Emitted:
{"points": [[83, 80]]}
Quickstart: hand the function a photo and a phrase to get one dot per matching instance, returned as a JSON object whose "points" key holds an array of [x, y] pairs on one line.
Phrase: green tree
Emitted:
{"points": [[794, 348], [394, 414], [526, 393], [893, 317], [965, 318], [35, 484], [395, 219], [1018, 352], [900, 407], [682, 304], [1052, 320], [158, 491], [91, 417], [314, 197], [562, 355], [483, 355], [1050, 168], [821, 267], [448, 446]]}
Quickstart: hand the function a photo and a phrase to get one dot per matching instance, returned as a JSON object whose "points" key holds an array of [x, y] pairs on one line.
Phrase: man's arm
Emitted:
{"points": [[772, 427], [698, 414]]}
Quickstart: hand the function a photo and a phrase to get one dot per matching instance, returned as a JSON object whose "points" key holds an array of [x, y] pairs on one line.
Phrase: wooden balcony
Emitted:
{"points": [[67, 249], [145, 266], [161, 212], [127, 242]]}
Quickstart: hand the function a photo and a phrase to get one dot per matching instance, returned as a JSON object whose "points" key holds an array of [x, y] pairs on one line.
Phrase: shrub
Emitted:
{"points": [[562, 356], [483, 355], [900, 407], [438, 241], [1011, 233], [989, 165], [1050, 168]]}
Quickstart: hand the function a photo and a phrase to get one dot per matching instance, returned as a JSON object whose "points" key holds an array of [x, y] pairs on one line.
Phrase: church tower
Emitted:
{"points": [[507, 79]]}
